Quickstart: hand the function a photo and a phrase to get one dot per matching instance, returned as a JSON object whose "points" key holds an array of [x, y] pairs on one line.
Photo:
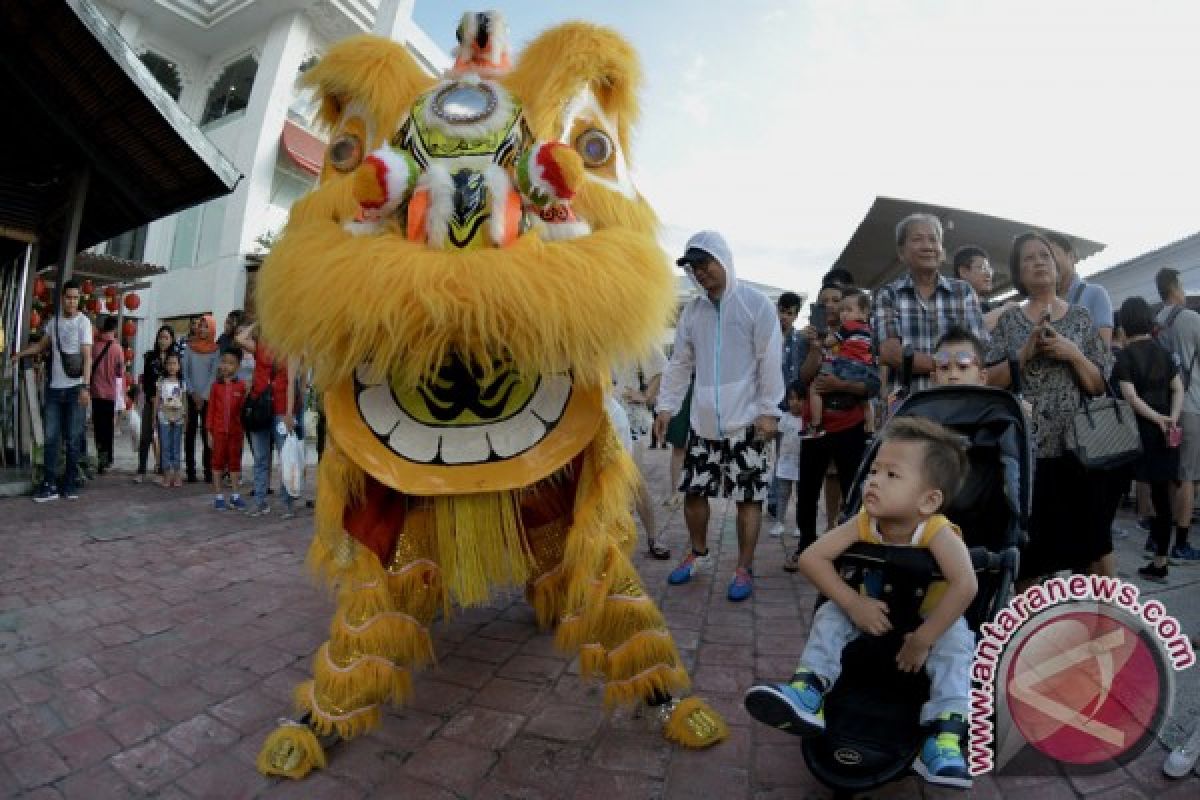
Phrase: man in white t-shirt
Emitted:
{"points": [[68, 338]]}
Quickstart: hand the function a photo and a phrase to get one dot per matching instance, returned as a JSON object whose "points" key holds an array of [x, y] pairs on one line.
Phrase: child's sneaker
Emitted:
{"points": [[941, 760], [777, 530], [692, 564], [1153, 573], [797, 707], [1183, 758], [219, 503], [236, 503], [1186, 555], [259, 510]]}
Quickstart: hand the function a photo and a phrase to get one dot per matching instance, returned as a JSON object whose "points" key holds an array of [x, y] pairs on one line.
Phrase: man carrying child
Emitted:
{"points": [[918, 470]]}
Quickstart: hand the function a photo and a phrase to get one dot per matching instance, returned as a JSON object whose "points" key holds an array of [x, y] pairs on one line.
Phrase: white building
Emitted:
{"points": [[232, 66], [1135, 277]]}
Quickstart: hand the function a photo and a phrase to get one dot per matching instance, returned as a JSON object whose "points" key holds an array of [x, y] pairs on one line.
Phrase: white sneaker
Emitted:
{"points": [[777, 530], [1182, 759]]}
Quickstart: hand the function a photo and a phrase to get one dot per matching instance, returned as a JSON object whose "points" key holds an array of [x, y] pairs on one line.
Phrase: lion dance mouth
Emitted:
{"points": [[471, 267]]}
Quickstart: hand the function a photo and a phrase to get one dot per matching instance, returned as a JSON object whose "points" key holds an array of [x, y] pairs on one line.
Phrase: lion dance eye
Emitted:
{"points": [[346, 153], [595, 147]]}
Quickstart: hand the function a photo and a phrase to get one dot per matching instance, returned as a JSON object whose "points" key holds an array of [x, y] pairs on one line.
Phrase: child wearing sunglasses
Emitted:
{"points": [[958, 359]]}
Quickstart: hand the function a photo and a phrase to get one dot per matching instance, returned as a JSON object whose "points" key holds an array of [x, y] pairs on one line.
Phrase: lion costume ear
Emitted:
{"points": [[557, 69], [374, 73]]}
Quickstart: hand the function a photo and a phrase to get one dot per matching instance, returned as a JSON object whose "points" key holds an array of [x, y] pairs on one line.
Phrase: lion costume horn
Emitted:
{"points": [[463, 368]]}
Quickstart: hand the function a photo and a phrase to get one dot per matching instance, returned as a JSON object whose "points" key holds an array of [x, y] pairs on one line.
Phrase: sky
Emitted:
{"points": [[778, 122]]}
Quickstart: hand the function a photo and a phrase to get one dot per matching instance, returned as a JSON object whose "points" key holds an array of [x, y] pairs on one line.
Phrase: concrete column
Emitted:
{"points": [[256, 150], [394, 19], [129, 26]]}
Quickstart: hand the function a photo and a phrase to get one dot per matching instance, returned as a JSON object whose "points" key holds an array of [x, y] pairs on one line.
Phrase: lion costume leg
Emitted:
{"points": [[379, 633], [601, 608]]}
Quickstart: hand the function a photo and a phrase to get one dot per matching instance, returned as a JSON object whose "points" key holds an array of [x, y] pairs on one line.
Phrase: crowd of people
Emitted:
{"points": [[761, 412], [222, 390]]}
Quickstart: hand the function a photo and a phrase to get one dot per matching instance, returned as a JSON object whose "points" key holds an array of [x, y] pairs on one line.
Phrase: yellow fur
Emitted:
{"points": [[291, 751]]}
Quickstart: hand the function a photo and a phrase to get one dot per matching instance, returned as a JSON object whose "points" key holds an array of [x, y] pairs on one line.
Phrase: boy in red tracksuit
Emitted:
{"points": [[224, 420]]}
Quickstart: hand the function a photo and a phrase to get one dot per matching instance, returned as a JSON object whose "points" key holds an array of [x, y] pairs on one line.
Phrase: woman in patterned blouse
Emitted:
{"points": [[1061, 360]]}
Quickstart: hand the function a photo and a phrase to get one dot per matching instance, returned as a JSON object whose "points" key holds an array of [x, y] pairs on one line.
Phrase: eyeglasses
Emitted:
{"points": [[963, 359]]}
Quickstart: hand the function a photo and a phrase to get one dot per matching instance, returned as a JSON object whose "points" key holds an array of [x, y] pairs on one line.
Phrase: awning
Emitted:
{"points": [[304, 149], [79, 100], [105, 269], [870, 255]]}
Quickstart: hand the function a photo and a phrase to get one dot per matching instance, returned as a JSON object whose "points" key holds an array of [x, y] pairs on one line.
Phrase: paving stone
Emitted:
{"points": [[200, 737], [151, 765], [85, 746], [483, 727], [451, 765], [566, 723], [503, 694], [36, 764], [531, 762], [125, 688], [627, 752], [223, 778], [100, 782], [133, 724], [532, 669]]}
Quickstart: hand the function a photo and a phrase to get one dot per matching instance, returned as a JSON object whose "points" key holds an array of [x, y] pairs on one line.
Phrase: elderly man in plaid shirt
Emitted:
{"points": [[913, 311]]}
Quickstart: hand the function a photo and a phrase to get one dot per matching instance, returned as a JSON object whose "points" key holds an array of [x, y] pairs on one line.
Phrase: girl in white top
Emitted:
{"points": [[787, 461]]}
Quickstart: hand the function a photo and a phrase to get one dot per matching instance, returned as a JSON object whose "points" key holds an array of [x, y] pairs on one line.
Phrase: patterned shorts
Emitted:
{"points": [[734, 468]]}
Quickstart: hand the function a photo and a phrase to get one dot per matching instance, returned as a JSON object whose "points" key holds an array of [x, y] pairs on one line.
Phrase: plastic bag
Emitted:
{"points": [[292, 464], [135, 427]]}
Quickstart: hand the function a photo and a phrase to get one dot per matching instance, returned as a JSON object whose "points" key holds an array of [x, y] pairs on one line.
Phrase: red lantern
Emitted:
{"points": [[35, 319], [132, 301], [87, 287], [129, 329], [110, 291], [93, 305], [39, 287], [128, 355], [111, 304]]}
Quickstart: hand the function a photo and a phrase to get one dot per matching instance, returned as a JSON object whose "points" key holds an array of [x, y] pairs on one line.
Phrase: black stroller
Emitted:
{"points": [[872, 713]]}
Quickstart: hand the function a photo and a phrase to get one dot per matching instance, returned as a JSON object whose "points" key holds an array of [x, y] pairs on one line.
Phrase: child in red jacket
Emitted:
{"points": [[224, 420]]}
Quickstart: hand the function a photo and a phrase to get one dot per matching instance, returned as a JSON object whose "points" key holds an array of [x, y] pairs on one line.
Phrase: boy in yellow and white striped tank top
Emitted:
{"points": [[917, 471]]}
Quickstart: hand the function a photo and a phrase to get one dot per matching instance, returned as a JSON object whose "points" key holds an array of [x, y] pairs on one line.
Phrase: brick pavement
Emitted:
{"points": [[147, 644]]}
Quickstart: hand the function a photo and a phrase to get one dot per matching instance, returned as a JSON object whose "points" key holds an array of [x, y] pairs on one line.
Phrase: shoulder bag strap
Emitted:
{"points": [[1077, 292], [96, 361]]}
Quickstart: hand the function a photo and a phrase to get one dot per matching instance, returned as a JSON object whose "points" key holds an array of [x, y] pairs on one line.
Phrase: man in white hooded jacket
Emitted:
{"points": [[729, 339]]}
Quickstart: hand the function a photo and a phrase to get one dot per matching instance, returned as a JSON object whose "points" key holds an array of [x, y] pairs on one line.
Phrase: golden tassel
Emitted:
{"points": [[545, 594], [328, 718], [290, 751], [360, 681], [417, 588], [480, 545], [392, 634], [592, 661], [694, 723], [660, 679], [641, 652]]}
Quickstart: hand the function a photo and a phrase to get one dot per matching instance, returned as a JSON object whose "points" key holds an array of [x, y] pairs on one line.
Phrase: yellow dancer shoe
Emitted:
{"points": [[692, 723]]}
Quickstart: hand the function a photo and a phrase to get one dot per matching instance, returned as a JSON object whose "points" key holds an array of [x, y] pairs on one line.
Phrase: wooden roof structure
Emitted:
{"points": [[870, 254], [90, 133]]}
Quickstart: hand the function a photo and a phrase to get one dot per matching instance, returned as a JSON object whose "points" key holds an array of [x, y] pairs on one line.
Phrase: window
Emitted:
{"points": [[231, 92], [130, 245], [165, 72], [304, 106]]}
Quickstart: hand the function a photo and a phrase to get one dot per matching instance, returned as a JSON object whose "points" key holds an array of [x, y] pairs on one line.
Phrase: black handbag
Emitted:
{"points": [[258, 412], [1103, 433]]}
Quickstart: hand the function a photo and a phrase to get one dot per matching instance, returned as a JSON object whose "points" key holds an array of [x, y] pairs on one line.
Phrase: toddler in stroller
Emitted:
{"points": [[917, 471], [871, 713]]}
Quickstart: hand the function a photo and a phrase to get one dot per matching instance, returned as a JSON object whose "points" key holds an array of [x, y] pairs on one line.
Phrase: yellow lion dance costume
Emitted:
{"points": [[472, 265]]}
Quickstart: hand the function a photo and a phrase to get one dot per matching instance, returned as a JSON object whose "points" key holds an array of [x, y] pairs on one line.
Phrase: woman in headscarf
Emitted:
{"points": [[199, 370]]}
